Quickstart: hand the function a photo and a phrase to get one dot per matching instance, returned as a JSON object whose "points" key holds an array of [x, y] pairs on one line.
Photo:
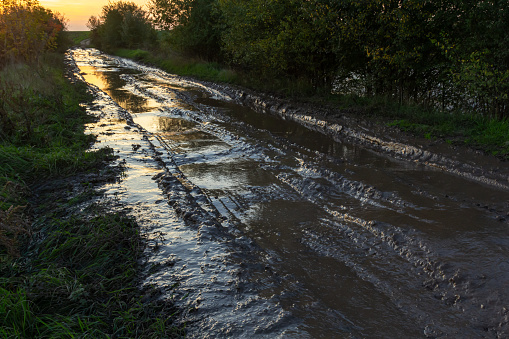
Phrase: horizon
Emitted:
{"points": [[78, 12]]}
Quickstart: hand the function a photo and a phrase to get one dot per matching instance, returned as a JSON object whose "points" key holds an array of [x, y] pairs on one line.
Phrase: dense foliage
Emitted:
{"points": [[194, 26], [121, 24], [444, 54], [26, 30]]}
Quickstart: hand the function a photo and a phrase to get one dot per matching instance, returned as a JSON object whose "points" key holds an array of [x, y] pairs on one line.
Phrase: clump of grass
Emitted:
{"points": [[83, 282], [13, 223]]}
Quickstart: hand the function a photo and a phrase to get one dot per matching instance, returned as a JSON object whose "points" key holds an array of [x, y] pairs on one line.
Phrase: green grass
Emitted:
{"points": [[76, 37], [42, 131], [460, 128], [488, 134], [82, 282], [177, 64]]}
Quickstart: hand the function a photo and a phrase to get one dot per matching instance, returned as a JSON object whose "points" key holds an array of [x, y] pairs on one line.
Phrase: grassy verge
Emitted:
{"points": [[486, 134], [177, 64], [75, 37], [81, 281], [458, 128], [68, 264], [42, 123]]}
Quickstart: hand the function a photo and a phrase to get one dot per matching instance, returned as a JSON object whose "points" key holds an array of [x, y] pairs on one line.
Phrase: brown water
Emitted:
{"points": [[273, 230]]}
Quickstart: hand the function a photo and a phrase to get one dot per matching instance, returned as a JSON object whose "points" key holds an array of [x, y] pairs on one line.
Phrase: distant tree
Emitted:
{"points": [[121, 24]]}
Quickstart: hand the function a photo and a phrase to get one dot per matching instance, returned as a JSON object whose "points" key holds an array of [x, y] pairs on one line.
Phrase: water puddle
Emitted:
{"points": [[274, 230]]}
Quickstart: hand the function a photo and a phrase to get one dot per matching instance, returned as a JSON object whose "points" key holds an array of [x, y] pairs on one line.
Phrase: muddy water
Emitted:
{"points": [[263, 228]]}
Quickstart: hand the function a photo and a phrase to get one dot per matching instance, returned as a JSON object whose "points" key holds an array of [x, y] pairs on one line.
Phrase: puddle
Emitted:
{"points": [[274, 230], [109, 80]]}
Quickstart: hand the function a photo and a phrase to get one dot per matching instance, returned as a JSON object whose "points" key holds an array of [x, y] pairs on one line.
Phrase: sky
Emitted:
{"points": [[79, 11]]}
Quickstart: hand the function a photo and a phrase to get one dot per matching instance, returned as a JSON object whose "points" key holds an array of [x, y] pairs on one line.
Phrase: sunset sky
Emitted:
{"points": [[79, 11]]}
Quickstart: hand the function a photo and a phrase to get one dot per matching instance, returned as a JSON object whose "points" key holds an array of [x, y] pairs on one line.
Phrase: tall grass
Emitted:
{"points": [[42, 130], [83, 282]]}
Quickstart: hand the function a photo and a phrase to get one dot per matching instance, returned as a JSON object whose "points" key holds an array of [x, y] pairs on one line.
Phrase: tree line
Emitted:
{"points": [[446, 54]]}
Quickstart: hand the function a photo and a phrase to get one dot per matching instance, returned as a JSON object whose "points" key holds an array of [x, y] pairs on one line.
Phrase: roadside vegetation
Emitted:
{"points": [[437, 68], [76, 37], [69, 266]]}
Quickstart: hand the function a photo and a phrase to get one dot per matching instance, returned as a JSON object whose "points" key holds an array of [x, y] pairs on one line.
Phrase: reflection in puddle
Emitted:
{"points": [[112, 83], [289, 130], [132, 102], [175, 124], [227, 175], [192, 139], [165, 126]]}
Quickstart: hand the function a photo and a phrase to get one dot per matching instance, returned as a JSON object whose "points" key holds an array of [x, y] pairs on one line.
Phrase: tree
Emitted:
{"points": [[479, 54], [122, 24], [193, 25], [286, 38]]}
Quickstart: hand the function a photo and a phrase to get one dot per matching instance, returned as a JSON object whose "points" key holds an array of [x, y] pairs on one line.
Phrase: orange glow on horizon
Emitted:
{"points": [[78, 12]]}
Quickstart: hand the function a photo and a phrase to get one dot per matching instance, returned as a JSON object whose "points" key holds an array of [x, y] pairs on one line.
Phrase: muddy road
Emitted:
{"points": [[280, 225]]}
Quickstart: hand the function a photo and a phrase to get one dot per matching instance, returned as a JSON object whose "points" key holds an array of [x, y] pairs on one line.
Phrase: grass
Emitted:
{"points": [[177, 64], [460, 128], [76, 37], [82, 281], [487, 134], [69, 267], [42, 130]]}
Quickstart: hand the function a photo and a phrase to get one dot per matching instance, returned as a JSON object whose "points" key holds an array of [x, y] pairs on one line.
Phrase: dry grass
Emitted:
{"points": [[13, 221]]}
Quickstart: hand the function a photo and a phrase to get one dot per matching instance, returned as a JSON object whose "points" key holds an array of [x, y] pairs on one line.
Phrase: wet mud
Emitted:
{"points": [[272, 219]]}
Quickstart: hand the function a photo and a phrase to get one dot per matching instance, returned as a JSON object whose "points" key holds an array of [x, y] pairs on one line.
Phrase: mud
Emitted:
{"points": [[275, 219]]}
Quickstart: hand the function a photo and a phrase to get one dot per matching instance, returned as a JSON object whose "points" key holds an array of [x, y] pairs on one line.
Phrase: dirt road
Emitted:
{"points": [[277, 220]]}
